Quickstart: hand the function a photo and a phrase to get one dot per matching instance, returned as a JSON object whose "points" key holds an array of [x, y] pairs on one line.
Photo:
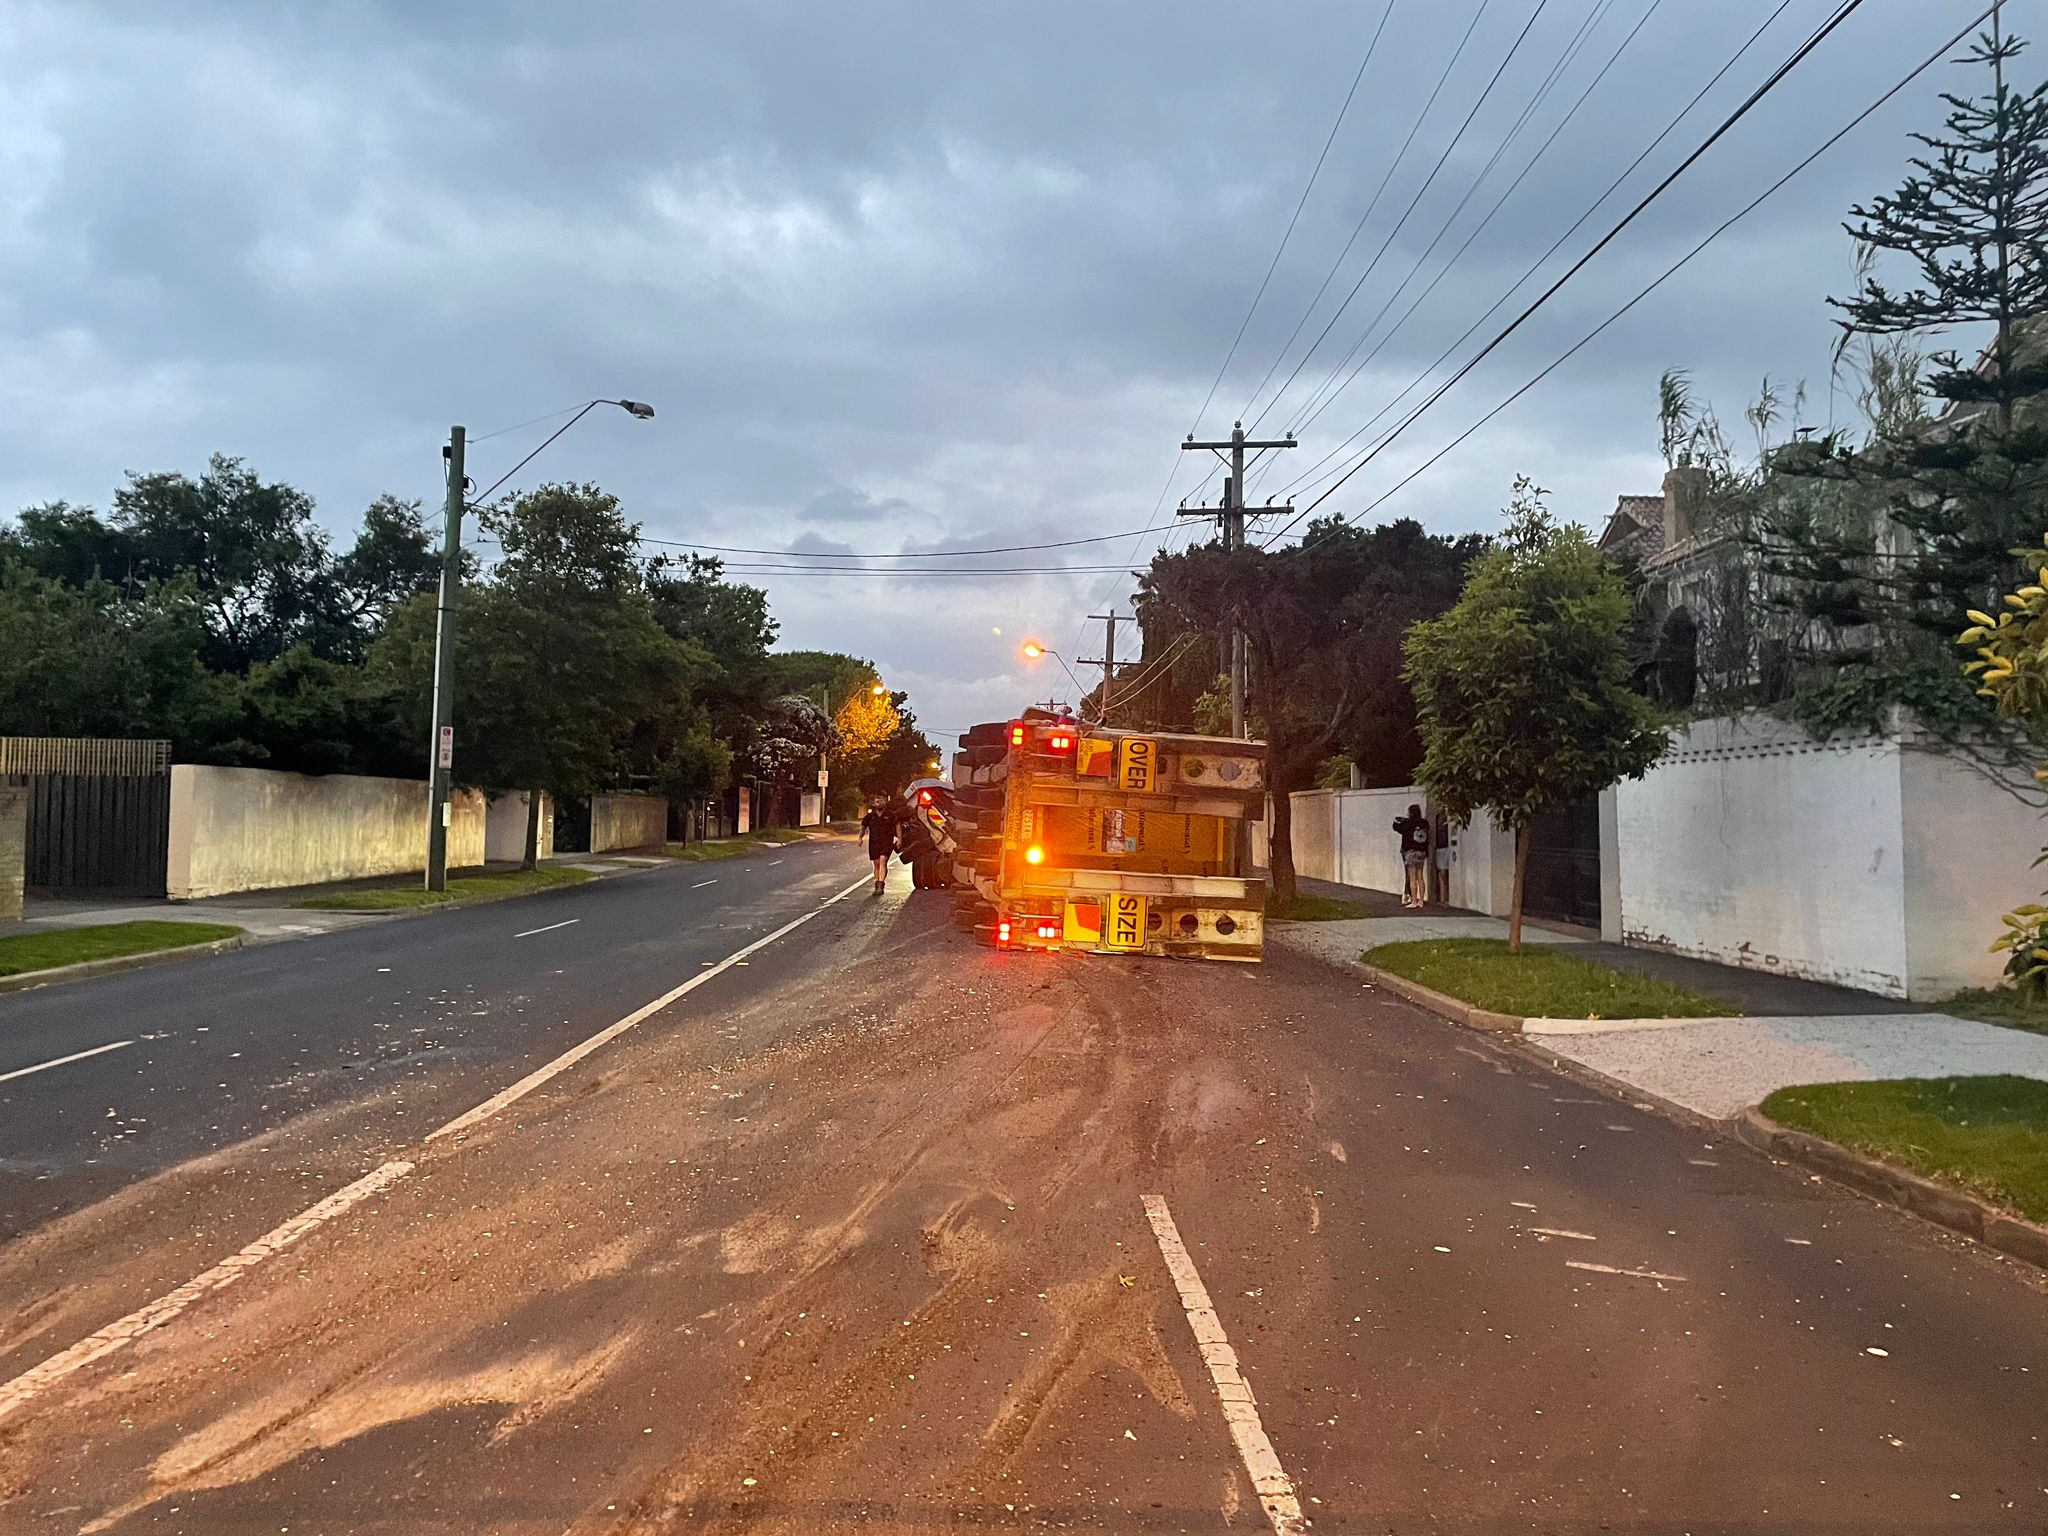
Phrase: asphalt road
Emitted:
{"points": [[855, 1238]]}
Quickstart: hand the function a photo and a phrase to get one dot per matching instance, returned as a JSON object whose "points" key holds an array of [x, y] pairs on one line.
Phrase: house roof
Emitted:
{"points": [[1634, 515]]}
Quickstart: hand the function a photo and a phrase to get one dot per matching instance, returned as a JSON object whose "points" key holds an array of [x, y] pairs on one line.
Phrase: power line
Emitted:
{"points": [[1326, 392], [1309, 475], [517, 426], [923, 554], [1359, 228], [1855, 122], [1842, 13], [1300, 203], [1413, 203], [1166, 488]]}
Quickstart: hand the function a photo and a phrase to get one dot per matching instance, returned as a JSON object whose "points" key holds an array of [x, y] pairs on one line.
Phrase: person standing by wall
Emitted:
{"points": [[1413, 830]]}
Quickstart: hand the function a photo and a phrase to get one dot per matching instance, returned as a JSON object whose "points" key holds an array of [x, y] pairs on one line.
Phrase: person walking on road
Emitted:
{"points": [[880, 826], [1413, 830]]}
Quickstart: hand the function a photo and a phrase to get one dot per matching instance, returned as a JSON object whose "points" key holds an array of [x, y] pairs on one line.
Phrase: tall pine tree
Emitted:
{"points": [[1879, 598]]}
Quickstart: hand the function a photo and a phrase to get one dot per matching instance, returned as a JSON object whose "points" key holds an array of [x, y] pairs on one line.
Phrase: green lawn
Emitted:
{"points": [[1315, 909], [71, 946], [1988, 1135], [2000, 1005], [733, 847], [494, 886], [1541, 982]]}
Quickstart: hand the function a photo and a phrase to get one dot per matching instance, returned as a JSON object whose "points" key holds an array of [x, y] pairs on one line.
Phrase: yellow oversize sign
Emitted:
{"points": [[1123, 921], [1137, 764]]}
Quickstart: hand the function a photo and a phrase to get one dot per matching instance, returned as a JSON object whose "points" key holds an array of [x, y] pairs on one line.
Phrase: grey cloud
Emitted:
{"points": [[897, 281]]}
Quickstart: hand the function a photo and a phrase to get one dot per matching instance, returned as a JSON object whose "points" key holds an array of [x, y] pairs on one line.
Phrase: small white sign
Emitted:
{"points": [[447, 746], [824, 778]]}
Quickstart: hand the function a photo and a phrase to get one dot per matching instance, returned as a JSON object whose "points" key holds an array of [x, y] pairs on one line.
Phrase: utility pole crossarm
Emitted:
{"points": [[1226, 446], [1248, 511]]}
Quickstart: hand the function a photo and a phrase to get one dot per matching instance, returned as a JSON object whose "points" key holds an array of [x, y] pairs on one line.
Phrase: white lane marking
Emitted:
{"points": [[58, 1061], [773, 862], [23, 1388], [551, 927], [1240, 1412], [1584, 1237], [576, 1053], [702, 883], [1609, 1269]]}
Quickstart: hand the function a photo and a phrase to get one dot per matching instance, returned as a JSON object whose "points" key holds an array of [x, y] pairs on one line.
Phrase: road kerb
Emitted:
{"points": [[1959, 1212], [1441, 1003], [87, 968]]}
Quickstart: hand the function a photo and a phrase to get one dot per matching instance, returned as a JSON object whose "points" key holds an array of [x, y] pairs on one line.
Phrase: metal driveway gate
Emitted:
{"points": [[99, 814], [1564, 866]]}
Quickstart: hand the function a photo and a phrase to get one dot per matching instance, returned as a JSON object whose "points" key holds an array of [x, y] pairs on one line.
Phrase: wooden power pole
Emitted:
{"points": [[1110, 620], [1231, 515]]}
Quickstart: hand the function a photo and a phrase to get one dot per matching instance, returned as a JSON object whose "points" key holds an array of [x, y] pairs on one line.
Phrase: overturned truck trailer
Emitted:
{"points": [[1068, 836]]}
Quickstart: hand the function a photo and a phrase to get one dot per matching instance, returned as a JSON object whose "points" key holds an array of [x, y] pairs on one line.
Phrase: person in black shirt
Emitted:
{"points": [[880, 826], [1413, 830]]}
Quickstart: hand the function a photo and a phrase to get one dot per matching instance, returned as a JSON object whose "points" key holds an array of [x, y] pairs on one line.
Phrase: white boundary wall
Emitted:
{"points": [[1347, 835], [505, 828], [627, 821], [1876, 862], [250, 829]]}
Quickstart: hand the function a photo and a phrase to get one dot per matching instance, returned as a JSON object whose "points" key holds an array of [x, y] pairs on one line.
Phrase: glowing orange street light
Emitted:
{"points": [[1033, 650]]}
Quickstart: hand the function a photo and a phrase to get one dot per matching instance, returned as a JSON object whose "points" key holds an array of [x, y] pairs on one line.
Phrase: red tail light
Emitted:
{"points": [[1048, 930], [1017, 735], [1060, 741], [1003, 931], [924, 797]]}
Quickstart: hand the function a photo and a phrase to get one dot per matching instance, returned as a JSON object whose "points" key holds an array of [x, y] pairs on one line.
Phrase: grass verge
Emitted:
{"points": [[1542, 982], [2000, 1005], [463, 889], [1988, 1135], [26, 952], [733, 847], [1316, 909]]}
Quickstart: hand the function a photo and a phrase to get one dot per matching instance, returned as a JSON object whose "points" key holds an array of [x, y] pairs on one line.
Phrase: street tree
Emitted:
{"points": [[565, 681], [1323, 620], [1522, 687]]}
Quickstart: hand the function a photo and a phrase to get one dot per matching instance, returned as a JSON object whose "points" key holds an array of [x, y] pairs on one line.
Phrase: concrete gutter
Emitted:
{"points": [[1953, 1209], [87, 968], [1959, 1212]]}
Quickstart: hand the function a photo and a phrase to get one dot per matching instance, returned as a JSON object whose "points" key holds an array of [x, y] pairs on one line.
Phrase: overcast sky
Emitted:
{"points": [[895, 276]]}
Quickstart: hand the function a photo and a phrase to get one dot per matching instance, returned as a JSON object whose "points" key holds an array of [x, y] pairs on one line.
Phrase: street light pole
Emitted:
{"points": [[441, 746]]}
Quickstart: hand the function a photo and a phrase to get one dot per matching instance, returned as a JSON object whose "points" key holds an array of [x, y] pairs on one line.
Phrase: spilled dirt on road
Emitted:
{"points": [[868, 1250]]}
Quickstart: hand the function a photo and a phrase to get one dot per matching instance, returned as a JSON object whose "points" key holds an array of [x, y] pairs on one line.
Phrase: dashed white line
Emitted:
{"points": [[58, 1061], [551, 927], [1584, 1237], [1240, 1412], [18, 1392], [702, 883], [574, 1054], [32, 1382]]}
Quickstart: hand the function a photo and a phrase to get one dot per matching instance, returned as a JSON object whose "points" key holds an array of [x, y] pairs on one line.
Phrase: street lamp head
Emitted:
{"points": [[1033, 650], [878, 690], [636, 408]]}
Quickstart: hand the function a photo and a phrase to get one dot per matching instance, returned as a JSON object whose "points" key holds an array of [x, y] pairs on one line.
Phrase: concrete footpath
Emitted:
{"points": [[1781, 1031]]}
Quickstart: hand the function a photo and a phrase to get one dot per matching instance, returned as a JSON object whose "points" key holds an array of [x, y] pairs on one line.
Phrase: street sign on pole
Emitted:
{"points": [[823, 778], [447, 758]]}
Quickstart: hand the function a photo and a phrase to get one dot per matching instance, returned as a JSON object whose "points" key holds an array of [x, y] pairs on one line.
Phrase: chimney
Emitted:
{"points": [[1685, 494]]}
